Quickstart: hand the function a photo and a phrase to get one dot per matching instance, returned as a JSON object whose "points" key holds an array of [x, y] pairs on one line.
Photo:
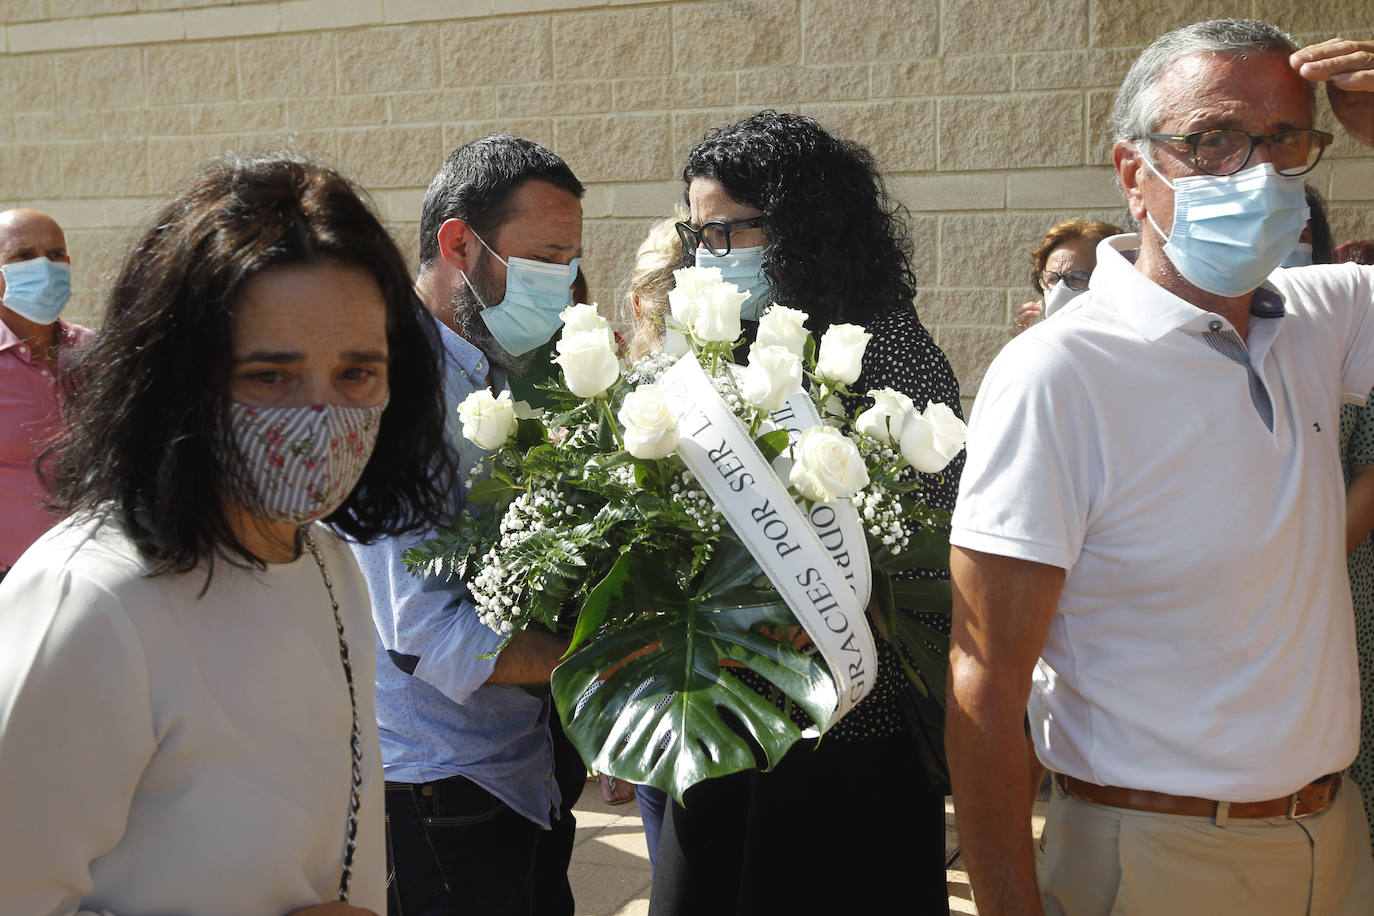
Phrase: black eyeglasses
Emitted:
{"points": [[1225, 152], [1073, 279], [714, 235]]}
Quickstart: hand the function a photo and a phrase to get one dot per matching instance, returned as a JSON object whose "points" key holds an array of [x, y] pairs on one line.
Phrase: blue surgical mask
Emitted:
{"points": [[1232, 231], [1300, 256], [744, 268], [37, 289], [536, 295]]}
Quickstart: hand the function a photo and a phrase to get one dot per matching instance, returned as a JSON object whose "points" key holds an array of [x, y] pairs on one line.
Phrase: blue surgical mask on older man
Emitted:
{"points": [[37, 289], [1232, 231], [744, 268], [531, 311]]}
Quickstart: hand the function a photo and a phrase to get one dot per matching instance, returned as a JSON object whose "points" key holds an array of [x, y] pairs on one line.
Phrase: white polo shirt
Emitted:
{"points": [[1204, 642]]}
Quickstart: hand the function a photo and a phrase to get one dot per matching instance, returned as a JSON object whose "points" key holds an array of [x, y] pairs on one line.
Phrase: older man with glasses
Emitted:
{"points": [[1148, 537]]}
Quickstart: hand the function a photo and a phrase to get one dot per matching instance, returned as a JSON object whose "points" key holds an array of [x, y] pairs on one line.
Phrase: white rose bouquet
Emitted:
{"points": [[673, 517]]}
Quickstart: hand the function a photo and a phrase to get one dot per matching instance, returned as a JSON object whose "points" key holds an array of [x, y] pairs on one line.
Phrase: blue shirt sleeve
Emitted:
{"points": [[428, 627]]}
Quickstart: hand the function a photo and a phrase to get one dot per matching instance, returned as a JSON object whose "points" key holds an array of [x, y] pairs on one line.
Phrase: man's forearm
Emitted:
{"points": [[985, 739], [1002, 612], [529, 658]]}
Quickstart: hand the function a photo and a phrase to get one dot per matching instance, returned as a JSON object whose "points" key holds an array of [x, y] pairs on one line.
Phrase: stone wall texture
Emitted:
{"points": [[988, 116]]}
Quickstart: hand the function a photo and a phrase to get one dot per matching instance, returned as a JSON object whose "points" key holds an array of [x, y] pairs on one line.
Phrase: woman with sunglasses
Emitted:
{"points": [[187, 662], [801, 218]]}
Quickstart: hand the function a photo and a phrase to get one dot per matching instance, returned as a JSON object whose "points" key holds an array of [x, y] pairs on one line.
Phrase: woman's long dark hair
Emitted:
{"points": [[147, 395], [839, 248]]}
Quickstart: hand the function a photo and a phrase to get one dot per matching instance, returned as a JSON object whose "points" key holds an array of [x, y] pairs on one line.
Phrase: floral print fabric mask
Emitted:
{"points": [[301, 462]]}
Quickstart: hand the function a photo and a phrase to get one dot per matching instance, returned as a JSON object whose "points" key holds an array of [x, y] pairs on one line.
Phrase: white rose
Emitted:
{"points": [[685, 296], [781, 326], [950, 431], [675, 342], [718, 313], [931, 439], [827, 465], [650, 426], [842, 353], [487, 421], [524, 410], [589, 362], [583, 317], [774, 375], [883, 421]]}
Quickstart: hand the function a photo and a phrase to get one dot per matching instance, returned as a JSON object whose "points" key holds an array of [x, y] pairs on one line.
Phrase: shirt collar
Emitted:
{"points": [[1149, 308], [64, 335], [470, 362]]}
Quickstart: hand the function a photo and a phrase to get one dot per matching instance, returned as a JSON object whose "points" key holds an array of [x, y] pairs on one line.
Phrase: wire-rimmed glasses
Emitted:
{"points": [[1073, 279]]}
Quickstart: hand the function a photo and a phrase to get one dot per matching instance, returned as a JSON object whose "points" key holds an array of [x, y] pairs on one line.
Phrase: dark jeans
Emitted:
{"points": [[454, 848]]}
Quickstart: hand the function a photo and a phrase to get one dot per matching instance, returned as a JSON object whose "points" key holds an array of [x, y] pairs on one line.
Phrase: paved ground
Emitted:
{"points": [[610, 866]]}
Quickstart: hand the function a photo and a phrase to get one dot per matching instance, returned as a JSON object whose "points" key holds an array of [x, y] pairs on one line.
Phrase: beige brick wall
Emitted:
{"points": [[989, 116]]}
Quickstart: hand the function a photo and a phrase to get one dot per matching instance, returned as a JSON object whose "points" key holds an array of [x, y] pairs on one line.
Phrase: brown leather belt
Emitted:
{"points": [[1313, 798]]}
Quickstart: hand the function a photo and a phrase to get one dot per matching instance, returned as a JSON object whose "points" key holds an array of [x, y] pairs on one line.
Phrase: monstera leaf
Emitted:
{"points": [[659, 702]]}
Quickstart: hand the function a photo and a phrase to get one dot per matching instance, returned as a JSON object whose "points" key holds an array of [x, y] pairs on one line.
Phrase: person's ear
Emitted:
{"points": [[456, 241], [1130, 170]]}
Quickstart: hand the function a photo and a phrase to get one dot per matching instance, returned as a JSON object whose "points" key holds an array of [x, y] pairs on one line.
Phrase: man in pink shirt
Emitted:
{"points": [[35, 284]]}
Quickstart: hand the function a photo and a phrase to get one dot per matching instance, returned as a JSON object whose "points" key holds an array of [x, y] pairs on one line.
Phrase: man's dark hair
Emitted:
{"points": [[148, 395], [838, 247], [1323, 246], [477, 180]]}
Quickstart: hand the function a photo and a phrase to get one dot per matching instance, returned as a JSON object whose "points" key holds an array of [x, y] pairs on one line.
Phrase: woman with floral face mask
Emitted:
{"points": [[186, 663], [800, 217]]}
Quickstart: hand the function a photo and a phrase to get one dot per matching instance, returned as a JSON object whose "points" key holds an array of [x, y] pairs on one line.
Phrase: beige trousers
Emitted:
{"points": [[1096, 859]]}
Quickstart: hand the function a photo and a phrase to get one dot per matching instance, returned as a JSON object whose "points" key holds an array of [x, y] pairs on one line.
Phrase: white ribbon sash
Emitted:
{"points": [[717, 448], [837, 524]]}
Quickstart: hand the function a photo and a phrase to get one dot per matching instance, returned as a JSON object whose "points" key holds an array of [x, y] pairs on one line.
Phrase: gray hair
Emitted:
{"points": [[1139, 109]]}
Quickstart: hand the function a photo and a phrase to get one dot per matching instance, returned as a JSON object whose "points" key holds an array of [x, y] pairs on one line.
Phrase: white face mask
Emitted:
{"points": [[1058, 296]]}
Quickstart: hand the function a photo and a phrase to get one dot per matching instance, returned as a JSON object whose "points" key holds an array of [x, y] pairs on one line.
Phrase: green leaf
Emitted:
{"points": [[491, 491], [923, 594], [731, 567], [658, 718], [635, 582], [927, 549], [529, 433], [882, 596], [444, 556], [540, 370], [929, 650], [772, 444], [605, 435]]}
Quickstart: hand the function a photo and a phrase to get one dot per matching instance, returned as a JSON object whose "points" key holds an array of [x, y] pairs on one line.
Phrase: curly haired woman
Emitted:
{"points": [[801, 218]]}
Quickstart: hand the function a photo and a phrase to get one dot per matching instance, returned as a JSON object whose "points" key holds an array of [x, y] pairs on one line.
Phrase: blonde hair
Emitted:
{"points": [[646, 290]]}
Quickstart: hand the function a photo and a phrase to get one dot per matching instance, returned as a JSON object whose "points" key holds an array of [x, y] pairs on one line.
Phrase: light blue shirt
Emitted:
{"points": [[443, 719]]}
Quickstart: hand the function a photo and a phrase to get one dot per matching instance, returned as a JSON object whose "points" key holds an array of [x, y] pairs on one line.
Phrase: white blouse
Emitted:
{"points": [[164, 751]]}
